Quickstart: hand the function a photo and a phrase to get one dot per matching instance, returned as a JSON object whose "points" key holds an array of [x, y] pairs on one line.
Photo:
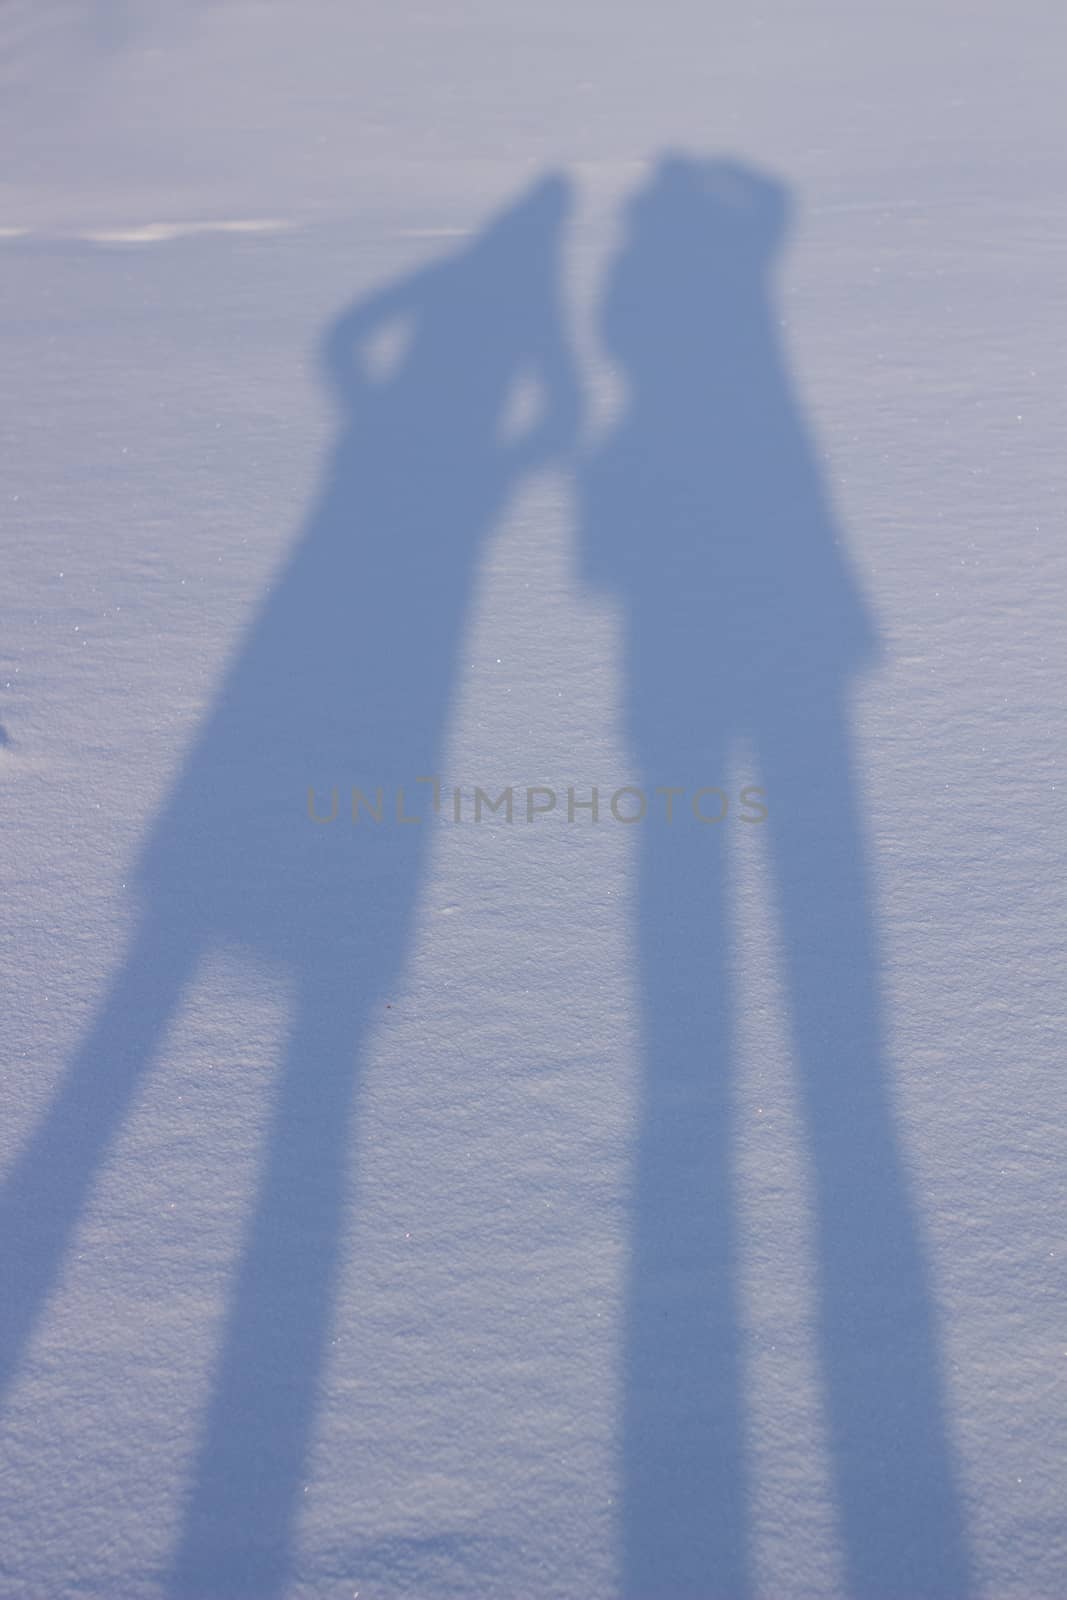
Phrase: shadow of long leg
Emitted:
{"points": [[894, 1474], [45, 1192], [684, 1478], [247, 1482]]}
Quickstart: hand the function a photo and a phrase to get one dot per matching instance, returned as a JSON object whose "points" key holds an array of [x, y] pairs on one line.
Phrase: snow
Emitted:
{"points": [[540, 1207]]}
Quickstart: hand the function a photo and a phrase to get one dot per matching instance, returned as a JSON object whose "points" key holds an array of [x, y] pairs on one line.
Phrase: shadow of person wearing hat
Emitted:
{"points": [[705, 515]]}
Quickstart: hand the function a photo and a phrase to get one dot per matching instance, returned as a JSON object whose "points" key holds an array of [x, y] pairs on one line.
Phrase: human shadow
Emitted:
{"points": [[344, 681], [703, 512]]}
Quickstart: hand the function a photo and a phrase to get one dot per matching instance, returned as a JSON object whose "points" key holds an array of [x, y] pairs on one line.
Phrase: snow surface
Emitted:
{"points": [[561, 395]]}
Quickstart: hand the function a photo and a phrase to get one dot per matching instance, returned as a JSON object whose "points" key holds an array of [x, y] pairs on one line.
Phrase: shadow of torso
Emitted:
{"points": [[346, 677], [704, 510]]}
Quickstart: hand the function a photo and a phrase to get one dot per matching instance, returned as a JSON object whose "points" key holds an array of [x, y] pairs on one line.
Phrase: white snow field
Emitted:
{"points": [[662, 398]]}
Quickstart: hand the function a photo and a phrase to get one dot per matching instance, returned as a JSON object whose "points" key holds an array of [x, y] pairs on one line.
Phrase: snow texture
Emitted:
{"points": [[582, 396]]}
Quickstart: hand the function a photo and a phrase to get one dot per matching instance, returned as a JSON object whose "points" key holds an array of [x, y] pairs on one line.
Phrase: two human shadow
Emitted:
{"points": [[703, 513]]}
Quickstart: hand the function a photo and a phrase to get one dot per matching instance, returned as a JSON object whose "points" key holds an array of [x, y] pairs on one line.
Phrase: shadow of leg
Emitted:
{"points": [[685, 1487], [249, 1474], [881, 1366], [47, 1188]]}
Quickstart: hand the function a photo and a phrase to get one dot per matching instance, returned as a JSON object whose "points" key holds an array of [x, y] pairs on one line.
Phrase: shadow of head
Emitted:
{"points": [[445, 340], [698, 234]]}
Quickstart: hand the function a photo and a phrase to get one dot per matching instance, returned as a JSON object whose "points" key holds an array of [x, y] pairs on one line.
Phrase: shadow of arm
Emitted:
{"points": [[342, 351]]}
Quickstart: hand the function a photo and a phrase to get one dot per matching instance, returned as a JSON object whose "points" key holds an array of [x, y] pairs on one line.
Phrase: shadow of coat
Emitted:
{"points": [[343, 681]]}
